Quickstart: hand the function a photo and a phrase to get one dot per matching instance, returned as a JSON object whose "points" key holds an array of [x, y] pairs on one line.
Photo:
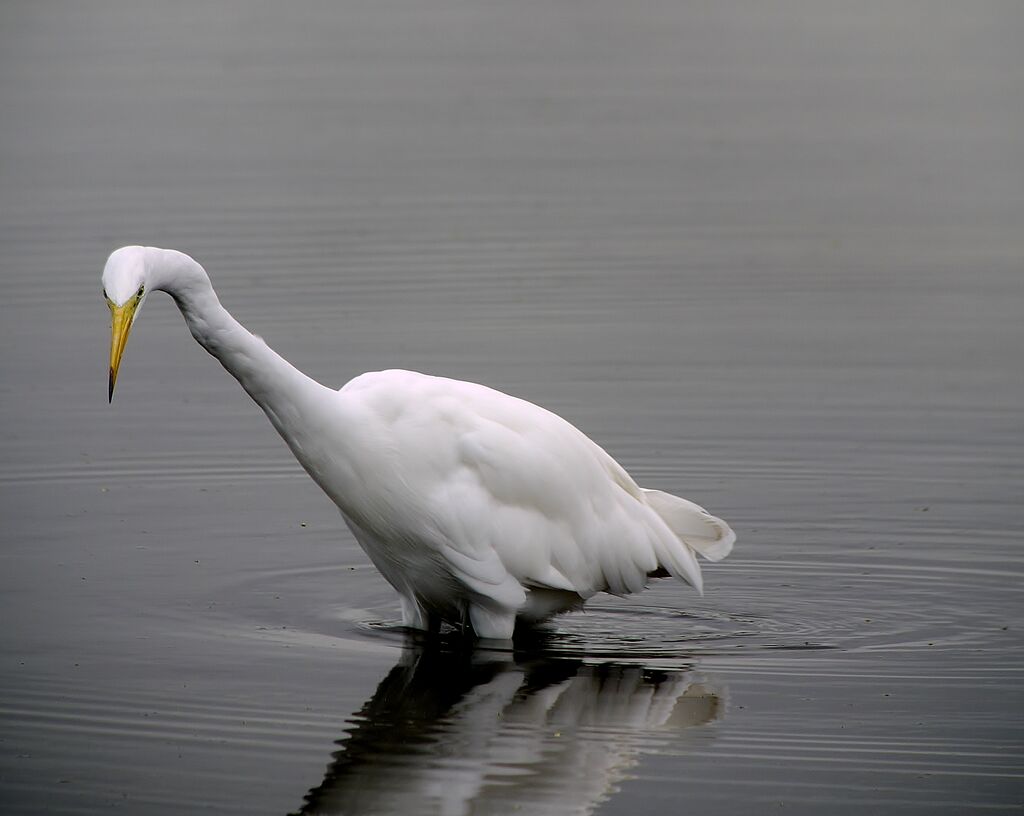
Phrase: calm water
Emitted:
{"points": [[771, 259]]}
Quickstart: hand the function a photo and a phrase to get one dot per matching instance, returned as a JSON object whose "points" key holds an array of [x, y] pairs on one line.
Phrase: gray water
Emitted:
{"points": [[770, 256]]}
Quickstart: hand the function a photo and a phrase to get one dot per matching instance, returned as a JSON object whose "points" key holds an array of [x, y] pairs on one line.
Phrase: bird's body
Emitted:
{"points": [[476, 506]]}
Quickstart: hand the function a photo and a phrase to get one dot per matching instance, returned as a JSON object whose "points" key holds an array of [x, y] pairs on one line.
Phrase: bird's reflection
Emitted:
{"points": [[467, 732]]}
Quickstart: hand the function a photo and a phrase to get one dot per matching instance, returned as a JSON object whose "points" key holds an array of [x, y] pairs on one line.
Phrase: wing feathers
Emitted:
{"points": [[517, 498]]}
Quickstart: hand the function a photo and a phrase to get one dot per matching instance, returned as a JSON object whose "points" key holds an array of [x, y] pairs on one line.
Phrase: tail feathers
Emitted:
{"points": [[693, 525]]}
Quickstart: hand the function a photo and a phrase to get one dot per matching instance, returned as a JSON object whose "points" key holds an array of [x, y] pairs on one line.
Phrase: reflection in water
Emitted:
{"points": [[457, 732]]}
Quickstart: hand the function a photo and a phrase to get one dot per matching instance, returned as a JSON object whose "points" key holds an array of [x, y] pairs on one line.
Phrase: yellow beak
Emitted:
{"points": [[121, 319]]}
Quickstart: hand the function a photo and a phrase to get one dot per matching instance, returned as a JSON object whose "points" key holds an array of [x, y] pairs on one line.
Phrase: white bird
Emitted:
{"points": [[477, 507]]}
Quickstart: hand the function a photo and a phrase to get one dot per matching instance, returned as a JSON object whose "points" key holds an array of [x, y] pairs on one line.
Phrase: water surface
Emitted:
{"points": [[771, 259]]}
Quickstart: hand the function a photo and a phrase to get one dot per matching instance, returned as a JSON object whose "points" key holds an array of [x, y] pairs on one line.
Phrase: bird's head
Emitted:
{"points": [[125, 286]]}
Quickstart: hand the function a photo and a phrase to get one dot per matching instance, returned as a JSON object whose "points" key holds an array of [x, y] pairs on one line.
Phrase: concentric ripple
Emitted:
{"points": [[753, 607]]}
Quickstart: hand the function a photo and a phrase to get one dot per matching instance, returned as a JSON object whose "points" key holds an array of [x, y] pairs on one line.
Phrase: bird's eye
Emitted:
{"points": [[105, 295], [141, 289]]}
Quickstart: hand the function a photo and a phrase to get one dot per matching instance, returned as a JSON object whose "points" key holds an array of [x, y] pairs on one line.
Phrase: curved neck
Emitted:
{"points": [[289, 398]]}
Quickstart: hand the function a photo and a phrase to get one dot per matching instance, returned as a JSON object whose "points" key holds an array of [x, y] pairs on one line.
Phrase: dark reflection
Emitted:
{"points": [[452, 731]]}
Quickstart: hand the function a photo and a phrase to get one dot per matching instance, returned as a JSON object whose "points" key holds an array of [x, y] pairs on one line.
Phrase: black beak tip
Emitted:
{"points": [[110, 388]]}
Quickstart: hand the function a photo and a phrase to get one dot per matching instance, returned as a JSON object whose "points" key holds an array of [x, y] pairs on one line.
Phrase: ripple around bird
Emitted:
{"points": [[754, 609]]}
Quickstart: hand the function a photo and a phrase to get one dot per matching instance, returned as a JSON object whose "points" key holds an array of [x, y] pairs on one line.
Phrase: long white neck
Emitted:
{"points": [[292, 401]]}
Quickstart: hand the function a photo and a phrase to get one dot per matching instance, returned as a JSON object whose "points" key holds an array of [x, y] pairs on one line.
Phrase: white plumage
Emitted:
{"points": [[476, 506]]}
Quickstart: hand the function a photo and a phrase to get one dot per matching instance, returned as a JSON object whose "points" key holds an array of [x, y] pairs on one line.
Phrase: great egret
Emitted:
{"points": [[477, 507]]}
